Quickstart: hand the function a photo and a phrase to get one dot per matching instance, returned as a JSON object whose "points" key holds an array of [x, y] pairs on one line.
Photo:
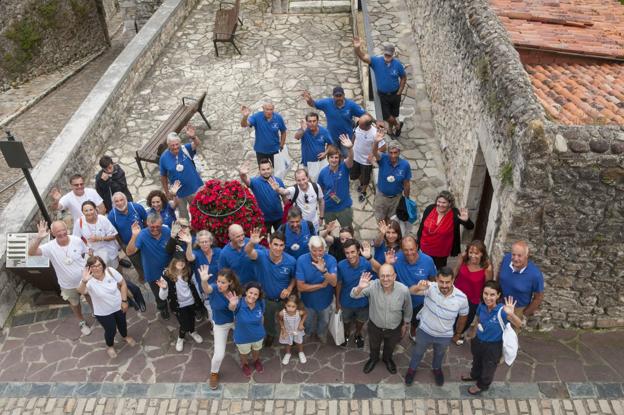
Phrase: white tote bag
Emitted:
{"points": [[314, 168], [282, 163], [510, 340], [336, 327]]}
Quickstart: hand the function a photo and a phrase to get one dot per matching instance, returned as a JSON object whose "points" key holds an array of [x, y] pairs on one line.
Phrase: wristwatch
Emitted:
{"points": [[124, 301]]}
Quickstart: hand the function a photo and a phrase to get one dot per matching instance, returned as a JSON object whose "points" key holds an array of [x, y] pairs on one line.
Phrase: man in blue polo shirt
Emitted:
{"points": [[314, 139], [393, 179], [233, 255], [270, 131], [275, 271], [176, 164], [339, 113], [349, 272], [152, 241], [522, 280], [122, 216], [390, 78], [297, 233], [269, 200], [334, 180]]}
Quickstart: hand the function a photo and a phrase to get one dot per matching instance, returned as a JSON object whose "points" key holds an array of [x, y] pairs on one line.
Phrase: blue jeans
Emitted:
{"points": [[423, 340], [317, 321]]}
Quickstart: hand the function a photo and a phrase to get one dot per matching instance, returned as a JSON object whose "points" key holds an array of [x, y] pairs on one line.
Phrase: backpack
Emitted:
{"points": [[293, 201]]}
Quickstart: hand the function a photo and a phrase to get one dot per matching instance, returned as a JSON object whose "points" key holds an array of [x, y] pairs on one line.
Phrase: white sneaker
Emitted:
{"points": [[179, 344], [196, 337], [302, 357], [286, 359], [84, 329]]}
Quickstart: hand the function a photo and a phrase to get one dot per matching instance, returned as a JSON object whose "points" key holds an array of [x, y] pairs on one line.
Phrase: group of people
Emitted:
{"points": [[311, 263]]}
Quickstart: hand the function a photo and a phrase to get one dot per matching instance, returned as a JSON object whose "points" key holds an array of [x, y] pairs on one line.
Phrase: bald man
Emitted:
{"points": [[522, 280], [233, 255], [67, 255]]}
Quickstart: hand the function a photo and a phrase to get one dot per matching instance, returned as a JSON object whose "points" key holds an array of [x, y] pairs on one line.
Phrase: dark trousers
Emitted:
{"points": [[472, 311], [272, 226], [186, 318], [390, 338], [362, 172], [137, 264], [160, 304], [485, 358], [439, 261], [271, 157], [112, 323]]}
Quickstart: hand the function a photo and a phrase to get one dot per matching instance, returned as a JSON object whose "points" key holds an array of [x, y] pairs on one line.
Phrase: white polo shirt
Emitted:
{"points": [[105, 294]]}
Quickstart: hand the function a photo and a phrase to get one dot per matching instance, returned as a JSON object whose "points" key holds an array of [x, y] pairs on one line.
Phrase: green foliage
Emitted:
{"points": [[80, 9], [511, 129], [26, 36], [483, 69], [506, 174], [493, 102], [48, 10]]}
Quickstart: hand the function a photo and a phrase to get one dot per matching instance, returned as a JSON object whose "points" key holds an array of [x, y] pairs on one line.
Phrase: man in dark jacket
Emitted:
{"points": [[110, 180]]}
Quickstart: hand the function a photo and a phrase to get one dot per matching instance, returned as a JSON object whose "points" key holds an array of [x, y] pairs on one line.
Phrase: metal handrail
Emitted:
{"points": [[362, 6]]}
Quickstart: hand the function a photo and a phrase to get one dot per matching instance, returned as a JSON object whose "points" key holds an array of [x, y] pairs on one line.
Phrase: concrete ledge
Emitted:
{"points": [[84, 137]]}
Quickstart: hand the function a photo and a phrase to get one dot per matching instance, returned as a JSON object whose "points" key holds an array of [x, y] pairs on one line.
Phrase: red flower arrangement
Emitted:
{"points": [[219, 204]]}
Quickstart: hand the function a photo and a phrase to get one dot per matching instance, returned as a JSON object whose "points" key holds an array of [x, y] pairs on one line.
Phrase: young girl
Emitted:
{"points": [[176, 287], [291, 320], [249, 328]]}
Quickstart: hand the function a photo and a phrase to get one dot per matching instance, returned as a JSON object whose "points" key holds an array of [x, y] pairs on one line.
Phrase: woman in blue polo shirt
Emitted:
{"points": [[219, 293], [487, 346]]}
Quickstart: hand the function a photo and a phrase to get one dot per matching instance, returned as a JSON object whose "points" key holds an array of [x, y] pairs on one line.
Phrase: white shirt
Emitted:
{"points": [[105, 294], [308, 210], [68, 261], [363, 146], [183, 292], [102, 227], [439, 312], [74, 203]]}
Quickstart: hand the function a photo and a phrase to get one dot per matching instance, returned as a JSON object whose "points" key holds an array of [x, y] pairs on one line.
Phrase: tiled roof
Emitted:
{"points": [[586, 27]]}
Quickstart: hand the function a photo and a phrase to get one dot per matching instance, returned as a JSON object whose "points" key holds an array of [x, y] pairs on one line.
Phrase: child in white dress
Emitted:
{"points": [[291, 320]]}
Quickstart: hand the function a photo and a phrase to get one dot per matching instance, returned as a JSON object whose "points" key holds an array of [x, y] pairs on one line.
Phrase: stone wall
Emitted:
{"points": [[89, 130], [558, 187]]}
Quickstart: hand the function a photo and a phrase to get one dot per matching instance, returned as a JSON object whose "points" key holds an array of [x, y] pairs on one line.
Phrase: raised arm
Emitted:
{"points": [[420, 288], [131, 248], [42, 233], [254, 239], [348, 144], [243, 173], [190, 131], [204, 276], [302, 127], [245, 111], [357, 48], [308, 98], [378, 139]]}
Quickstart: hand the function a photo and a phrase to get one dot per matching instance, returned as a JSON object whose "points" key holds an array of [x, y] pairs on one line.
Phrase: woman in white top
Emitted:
{"points": [[99, 234], [109, 294]]}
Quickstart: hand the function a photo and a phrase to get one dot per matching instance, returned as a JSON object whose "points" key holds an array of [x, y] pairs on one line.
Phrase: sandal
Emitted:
{"points": [[474, 390], [467, 378]]}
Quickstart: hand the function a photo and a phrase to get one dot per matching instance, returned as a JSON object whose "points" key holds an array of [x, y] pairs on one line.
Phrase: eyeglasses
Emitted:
{"points": [[95, 265]]}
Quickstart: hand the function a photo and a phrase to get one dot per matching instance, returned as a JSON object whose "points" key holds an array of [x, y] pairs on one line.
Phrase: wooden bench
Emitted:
{"points": [[226, 22], [151, 151]]}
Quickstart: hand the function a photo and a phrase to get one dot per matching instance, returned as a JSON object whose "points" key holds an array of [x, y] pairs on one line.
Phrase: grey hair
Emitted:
{"points": [[317, 242], [393, 145], [120, 194], [201, 233], [153, 217], [268, 102], [173, 136]]}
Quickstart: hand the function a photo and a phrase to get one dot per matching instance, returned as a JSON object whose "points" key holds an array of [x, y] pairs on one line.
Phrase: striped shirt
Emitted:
{"points": [[438, 314]]}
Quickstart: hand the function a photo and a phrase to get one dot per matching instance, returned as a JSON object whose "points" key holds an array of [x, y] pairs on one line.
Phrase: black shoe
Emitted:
{"points": [[125, 263], [397, 132], [362, 197], [439, 377], [359, 341], [391, 366], [164, 313], [268, 341], [344, 344], [370, 365]]}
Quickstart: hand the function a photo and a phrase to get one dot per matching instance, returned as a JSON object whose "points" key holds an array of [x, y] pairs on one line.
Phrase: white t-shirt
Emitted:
{"points": [[103, 227], [308, 210], [68, 261], [105, 294], [364, 144], [74, 203], [183, 292]]}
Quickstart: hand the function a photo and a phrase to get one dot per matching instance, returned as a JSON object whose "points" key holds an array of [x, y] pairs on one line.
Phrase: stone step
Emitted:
{"points": [[324, 6]]}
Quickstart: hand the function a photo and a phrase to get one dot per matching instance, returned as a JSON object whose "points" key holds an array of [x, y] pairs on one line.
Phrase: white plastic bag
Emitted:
{"points": [[510, 340], [314, 169], [336, 327], [282, 163]]}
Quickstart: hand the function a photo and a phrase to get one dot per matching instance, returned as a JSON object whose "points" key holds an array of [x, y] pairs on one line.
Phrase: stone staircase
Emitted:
{"points": [[311, 6]]}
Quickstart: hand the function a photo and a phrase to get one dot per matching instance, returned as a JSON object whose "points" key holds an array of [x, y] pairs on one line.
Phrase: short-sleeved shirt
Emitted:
{"points": [[221, 314], [267, 132], [213, 265], [520, 285], [363, 146], [339, 120], [390, 181], [349, 277], [307, 201], [123, 221], [439, 312], [335, 183], [297, 243], [489, 329], [68, 261], [387, 75], [313, 144], [269, 200], [239, 262], [274, 277], [308, 273], [154, 256], [73, 204], [103, 227], [249, 327], [411, 274], [188, 177], [105, 294]]}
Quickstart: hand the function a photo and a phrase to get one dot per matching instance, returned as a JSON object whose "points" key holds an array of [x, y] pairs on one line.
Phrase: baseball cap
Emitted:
{"points": [[338, 91]]}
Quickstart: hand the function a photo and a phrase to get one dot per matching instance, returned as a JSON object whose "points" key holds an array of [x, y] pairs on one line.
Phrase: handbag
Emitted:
{"points": [[510, 340], [336, 327], [282, 163]]}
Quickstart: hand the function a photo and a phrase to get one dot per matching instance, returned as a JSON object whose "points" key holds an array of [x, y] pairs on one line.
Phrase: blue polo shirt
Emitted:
{"points": [[349, 278], [213, 265], [335, 182], [249, 327], [267, 132], [299, 240], [339, 120], [123, 222], [410, 274], [320, 299], [221, 314], [520, 285], [387, 75], [188, 177], [154, 257], [274, 277], [239, 262], [380, 252], [167, 214], [488, 320], [312, 145], [402, 171], [269, 200]]}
